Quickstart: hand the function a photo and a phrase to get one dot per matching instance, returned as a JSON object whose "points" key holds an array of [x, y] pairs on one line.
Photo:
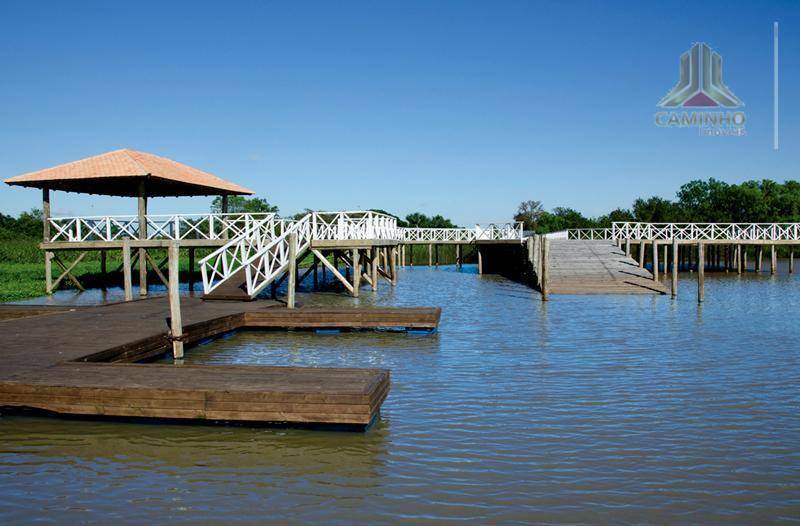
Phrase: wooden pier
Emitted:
{"points": [[81, 361], [597, 267]]}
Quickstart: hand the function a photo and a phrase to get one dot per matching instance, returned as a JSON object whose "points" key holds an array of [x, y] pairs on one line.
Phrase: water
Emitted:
{"points": [[598, 409]]}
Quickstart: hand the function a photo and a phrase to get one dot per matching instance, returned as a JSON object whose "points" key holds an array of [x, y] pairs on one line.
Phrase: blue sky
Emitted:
{"points": [[459, 108]]}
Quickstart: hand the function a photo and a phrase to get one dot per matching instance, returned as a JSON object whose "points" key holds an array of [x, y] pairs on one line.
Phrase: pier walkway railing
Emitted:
{"points": [[263, 252], [687, 232], [174, 227]]}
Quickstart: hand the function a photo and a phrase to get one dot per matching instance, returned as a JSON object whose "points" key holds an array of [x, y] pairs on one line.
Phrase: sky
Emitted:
{"points": [[459, 108]]}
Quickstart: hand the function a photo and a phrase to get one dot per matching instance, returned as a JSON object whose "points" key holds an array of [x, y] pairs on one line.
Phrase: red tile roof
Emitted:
{"points": [[119, 172]]}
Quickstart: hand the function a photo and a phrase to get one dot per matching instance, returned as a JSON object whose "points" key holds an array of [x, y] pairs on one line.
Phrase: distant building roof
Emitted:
{"points": [[119, 173]]}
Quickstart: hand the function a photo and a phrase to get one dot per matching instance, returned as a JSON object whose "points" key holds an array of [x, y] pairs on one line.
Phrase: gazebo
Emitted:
{"points": [[130, 173]]}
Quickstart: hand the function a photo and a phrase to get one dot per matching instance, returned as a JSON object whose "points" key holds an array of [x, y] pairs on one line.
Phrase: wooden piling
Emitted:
{"points": [[356, 273], [739, 259], [675, 266], [628, 247], [655, 260], [641, 254], [126, 270], [374, 268], [773, 260], [175, 323], [430, 255], [545, 268], [759, 257], [458, 256], [393, 264], [791, 259], [480, 261], [292, 270], [701, 273], [142, 215], [48, 256]]}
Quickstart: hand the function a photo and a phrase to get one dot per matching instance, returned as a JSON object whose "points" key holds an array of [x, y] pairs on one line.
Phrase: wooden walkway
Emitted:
{"points": [[79, 362], [596, 267]]}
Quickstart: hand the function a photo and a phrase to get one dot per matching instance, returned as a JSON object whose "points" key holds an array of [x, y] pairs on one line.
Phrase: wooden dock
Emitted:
{"points": [[81, 361], [596, 267]]}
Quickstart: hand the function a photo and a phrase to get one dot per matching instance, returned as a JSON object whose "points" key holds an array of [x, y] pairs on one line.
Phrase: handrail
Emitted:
{"points": [[174, 227], [691, 231]]}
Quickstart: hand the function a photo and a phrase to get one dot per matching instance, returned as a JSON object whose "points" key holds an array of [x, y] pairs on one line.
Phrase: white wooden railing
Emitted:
{"points": [[261, 251], [174, 227], [490, 232], [692, 231], [499, 232], [354, 225], [433, 235]]}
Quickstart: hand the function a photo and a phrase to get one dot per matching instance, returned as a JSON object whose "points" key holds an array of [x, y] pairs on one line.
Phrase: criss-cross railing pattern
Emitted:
{"points": [[692, 231], [353, 225], [499, 232], [175, 227], [433, 235], [270, 262], [260, 254]]}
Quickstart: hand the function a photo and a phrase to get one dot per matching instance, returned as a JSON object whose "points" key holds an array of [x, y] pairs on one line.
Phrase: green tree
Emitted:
{"points": [[241, 204], [528, 213]]}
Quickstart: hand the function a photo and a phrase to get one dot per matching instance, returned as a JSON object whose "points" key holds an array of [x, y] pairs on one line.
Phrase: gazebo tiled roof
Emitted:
{"points": [[120, 172]]}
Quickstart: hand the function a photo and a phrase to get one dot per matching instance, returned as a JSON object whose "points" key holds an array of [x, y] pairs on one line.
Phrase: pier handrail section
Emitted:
{"points": [[691, 231], [708, 231], [175, 227], [262, 249]]}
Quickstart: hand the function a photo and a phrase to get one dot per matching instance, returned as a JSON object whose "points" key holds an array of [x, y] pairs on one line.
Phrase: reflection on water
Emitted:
{"points": [[584, 409]]}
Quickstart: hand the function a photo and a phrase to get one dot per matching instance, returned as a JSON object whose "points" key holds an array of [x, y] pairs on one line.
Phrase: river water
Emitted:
{"points": [[585, 409]]}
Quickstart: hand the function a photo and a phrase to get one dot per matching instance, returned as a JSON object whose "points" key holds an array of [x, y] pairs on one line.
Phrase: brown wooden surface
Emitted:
{"points": [[77, 361], [596, 267]]}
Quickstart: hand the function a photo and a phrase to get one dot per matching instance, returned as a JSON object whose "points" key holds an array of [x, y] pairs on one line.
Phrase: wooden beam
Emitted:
{"points": [[68, 272], [126, 270], [155, 266], [327, 264], [175, 324], [191, 269]]}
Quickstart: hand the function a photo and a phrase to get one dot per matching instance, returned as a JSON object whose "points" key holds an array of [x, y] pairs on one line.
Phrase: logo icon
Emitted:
{"points": [[700, 84]]}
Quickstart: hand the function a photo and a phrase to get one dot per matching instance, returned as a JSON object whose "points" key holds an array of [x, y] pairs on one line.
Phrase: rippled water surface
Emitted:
{"points": [[594, 409]]}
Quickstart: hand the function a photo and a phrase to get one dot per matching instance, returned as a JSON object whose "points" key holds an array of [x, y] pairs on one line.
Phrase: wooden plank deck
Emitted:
{"points": [[596, 267], [78, 362]]}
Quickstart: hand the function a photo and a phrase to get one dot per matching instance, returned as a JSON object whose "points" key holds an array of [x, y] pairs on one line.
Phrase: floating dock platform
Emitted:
{"points": [[86, 361]]}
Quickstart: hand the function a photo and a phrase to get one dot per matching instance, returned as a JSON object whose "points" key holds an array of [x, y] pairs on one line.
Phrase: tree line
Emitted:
{"points": [[710, 201]]}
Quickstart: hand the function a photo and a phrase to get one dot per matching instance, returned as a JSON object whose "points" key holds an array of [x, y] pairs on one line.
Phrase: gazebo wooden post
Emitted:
{"points": [[224, 211], [48, 256], [142, 209]]}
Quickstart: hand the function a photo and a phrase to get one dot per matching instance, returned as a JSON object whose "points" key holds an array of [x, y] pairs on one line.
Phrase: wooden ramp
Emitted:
{"points": [[78, 362], [596, 267]]}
